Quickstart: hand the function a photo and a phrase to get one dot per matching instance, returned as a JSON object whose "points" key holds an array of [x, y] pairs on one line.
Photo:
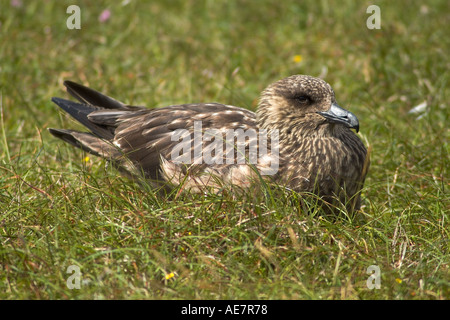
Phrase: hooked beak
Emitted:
{"points": [[337, 114]]}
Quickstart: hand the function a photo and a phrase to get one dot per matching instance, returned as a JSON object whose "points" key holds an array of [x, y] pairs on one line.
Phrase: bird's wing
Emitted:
{"points": [[146, 137], [143, 141]]}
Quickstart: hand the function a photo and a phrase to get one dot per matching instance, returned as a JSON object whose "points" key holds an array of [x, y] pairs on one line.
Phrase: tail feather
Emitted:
{"points": [[94, 98], [80, 113], [66, 135], [87, 142]]}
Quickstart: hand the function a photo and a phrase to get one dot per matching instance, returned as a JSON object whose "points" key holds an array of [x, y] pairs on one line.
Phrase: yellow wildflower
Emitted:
{"points": [[297, 58], [170, 275]]}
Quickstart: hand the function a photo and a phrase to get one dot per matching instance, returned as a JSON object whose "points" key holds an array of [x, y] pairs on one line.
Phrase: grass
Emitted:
{"points": [[59, 208]]}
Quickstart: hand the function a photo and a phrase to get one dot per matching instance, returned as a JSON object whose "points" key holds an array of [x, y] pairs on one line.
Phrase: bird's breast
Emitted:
{"points": [[324, 161]]}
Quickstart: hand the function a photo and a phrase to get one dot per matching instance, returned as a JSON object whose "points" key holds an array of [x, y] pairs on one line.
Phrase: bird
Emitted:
{"points": [[298, 137]]}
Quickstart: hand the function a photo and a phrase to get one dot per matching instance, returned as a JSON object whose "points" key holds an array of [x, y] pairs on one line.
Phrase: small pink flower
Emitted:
{"points": [[16, 3], [105, 15]]}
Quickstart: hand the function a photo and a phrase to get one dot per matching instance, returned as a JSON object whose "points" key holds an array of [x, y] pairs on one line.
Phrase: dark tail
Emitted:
{"points": [[98, 113], [87, 142], [80, 112], [94, 98]]}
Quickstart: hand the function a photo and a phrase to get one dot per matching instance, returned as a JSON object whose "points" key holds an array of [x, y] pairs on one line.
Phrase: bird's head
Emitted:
{"points": [[304, 100]]}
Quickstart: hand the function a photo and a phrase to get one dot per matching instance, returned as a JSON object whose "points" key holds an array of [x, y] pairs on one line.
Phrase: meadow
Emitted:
{"points": [[71, 227]]}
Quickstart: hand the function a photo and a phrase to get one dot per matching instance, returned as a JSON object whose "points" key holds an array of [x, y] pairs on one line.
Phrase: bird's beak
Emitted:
{"points": [[337, 114]]}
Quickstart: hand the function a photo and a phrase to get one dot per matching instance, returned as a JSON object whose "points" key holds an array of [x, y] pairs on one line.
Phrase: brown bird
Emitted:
{"points": [[299, 137]]}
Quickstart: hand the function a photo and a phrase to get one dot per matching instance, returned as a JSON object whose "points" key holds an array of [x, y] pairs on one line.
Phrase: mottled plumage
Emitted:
{"points": [[318, 152]]}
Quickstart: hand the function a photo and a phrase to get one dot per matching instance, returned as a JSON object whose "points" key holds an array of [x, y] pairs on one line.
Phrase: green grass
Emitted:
{"points": [[58, 210]]}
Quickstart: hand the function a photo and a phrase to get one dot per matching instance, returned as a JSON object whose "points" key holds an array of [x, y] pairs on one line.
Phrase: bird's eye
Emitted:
{"points": [[303, 99]]}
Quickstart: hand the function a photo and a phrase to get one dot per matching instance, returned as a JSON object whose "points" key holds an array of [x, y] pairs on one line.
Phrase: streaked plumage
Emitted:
{"points": [[318, 151]]}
